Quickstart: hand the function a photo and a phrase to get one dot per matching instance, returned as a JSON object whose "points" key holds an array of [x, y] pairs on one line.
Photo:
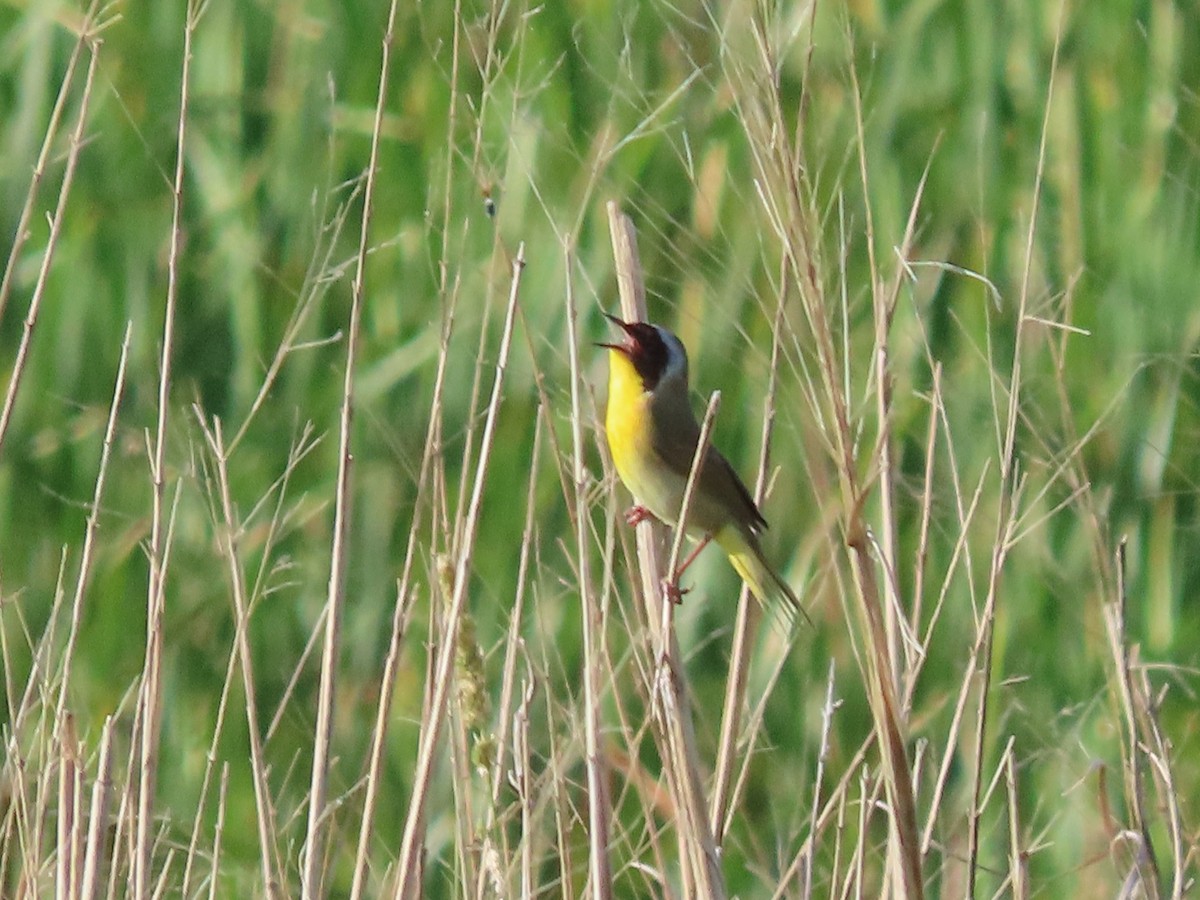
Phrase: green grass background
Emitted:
{"points": [[281, 107]]}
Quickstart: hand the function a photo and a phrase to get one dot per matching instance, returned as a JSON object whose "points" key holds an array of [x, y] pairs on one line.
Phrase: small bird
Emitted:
{"points": [[653, 433]]}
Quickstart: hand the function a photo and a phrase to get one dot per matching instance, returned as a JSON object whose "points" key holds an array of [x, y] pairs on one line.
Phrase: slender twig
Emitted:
{"points": [[921, 557], [747, 611], [828, 708], [599, 825], [404, 597], [98, 817], [93, 521], [313, 861], [316, 281], [514, 645], [677, 740], [1017, 857], [685, 506], [151, 688], [68, 762], [230, 545], [401, 614], [523, 783], [406, 882], [1009, 468], [87, 38], [56, 223], [1133, 751], [218, 833]]}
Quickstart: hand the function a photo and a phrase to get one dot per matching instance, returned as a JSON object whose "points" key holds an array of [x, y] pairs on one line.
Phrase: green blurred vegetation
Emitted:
{"points": [[278, 135]]}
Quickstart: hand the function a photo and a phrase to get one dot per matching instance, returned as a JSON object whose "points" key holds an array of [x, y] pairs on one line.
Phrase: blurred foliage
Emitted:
{"points": [[563, 106]]}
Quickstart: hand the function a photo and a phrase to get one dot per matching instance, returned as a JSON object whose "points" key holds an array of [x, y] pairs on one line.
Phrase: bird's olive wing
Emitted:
{"points": [[720, 493]]}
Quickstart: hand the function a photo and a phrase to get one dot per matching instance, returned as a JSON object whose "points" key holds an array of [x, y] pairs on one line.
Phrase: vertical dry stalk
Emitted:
{"points": [[922, 554], [496, 838], [1011, 479], [981, 670], [564, 814], [1017, 868], [264, 809], [407, 883], [1159, 757], [400, 617], [87, 38], [68, 826], [787, 199], [405, 596], [1133, 750], [18, 825], [514, 642], [469, 695], [150, 699], [674, 729], [747, 614], [827, 710], [210, 760], [599, 812], [855, 875], [218, 833], [56, 222], [314, 857], [685, 508], [98, 818], [523, 784], [93, 521]]}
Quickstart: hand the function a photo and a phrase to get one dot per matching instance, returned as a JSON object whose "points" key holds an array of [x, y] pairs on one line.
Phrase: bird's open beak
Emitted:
{"points": [[624, 326]]}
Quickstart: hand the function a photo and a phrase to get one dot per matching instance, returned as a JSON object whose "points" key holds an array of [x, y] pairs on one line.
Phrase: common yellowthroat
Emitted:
{"points": [[653, 433]]}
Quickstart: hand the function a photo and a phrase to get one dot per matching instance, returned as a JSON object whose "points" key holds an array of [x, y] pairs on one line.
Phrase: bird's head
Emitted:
{"points": [[655, 354]]}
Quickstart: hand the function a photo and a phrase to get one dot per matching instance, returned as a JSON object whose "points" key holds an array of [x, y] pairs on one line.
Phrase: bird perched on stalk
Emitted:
{"points": [[653, 433]]}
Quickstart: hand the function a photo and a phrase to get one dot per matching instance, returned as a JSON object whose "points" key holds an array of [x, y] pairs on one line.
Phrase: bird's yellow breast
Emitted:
{"points": [[629, 422]]}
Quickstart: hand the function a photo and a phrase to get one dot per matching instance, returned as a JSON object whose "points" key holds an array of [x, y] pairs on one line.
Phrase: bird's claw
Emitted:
{"points": [[636, 515], [673, 591]]}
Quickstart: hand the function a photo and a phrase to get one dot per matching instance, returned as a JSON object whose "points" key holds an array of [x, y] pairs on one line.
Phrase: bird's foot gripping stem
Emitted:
{"points": [[636, 515], [671, 585], [673, 591]]}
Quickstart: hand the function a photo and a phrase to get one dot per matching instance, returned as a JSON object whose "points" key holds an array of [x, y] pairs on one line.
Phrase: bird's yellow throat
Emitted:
{"points": [[627, 419]]}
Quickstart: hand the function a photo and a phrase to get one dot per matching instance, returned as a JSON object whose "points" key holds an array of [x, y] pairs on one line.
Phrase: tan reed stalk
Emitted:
{"points": [[93, 858], [150, 701], [599, 803], [407, 881], [698, 852], [56, 223], [314, 843]]}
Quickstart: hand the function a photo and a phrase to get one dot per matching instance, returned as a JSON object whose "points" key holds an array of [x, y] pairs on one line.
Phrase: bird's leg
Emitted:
{"points": [[691, 557], [636, 515], [674, 591]]}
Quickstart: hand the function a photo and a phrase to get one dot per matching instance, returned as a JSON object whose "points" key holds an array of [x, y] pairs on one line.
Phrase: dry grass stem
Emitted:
{"points": [[599, 813], [429, 658], [677, 745], [313, 857], [89, 536], [745, 623], [407, 881], [150, 699], [56, 224]]}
